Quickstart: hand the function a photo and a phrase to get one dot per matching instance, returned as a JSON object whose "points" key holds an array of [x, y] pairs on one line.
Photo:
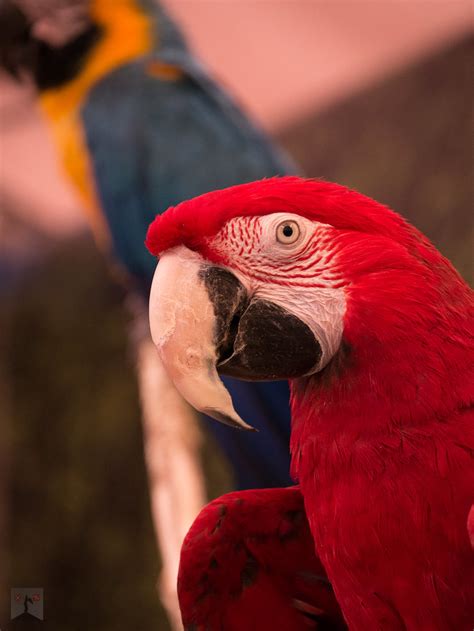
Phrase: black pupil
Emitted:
{"points": [[288, 231]]}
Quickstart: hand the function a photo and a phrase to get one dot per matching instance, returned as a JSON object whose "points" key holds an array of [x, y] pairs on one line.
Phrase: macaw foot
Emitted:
{"points": [[248, 563]]}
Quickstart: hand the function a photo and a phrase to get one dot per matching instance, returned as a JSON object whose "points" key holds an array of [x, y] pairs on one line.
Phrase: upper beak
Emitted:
{"points": [[182, 322], [203, 319]]}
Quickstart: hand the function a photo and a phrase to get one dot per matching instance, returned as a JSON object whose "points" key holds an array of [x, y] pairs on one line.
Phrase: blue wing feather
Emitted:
{"points": [[154, 143]]}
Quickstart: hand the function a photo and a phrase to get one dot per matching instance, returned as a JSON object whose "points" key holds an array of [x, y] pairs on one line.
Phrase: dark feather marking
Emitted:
{"points": [[222, 513], [466, 448], [295, 518], [316, 578], [204, 589], [222, 510], [393, 609], [465, 407], [249, 574]]}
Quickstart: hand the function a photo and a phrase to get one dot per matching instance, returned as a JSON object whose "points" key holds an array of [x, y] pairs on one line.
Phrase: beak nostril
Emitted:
{"points": [[193, 357]]}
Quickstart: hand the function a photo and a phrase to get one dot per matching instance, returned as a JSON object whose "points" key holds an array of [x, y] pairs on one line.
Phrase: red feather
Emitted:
{"points": [[192, 221]]}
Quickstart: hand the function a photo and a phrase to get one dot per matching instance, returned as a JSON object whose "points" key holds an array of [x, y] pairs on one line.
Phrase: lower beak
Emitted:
{"points": [[183, 328]]}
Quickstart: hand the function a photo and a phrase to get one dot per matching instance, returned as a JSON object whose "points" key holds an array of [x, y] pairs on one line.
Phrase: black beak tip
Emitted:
{"points": [[227, 420]]}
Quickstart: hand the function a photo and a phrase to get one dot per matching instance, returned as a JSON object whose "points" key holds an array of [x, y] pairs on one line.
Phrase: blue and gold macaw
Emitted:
{"points": [[140, 126]]}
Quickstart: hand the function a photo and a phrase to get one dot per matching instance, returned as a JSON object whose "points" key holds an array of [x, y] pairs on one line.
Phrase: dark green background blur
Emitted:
{"points": [[76, 519]]}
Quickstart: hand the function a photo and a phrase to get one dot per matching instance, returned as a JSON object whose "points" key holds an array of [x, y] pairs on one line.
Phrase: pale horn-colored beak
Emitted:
{"points": [[182, 322]]}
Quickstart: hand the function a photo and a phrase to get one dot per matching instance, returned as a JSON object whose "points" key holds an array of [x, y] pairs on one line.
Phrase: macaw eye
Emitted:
{"points": [[288, 232]]}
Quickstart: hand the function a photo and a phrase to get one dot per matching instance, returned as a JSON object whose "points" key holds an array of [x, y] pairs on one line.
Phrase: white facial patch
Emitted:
{"points": [[299, 274], [321, 309]]}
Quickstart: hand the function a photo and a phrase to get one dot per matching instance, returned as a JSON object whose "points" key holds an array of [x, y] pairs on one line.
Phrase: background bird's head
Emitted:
{"points": [[52, 40], [47, 40], [298, 279]]}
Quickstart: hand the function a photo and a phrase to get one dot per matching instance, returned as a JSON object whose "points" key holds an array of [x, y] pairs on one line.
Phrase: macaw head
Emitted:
{"points": [[297, 279]]}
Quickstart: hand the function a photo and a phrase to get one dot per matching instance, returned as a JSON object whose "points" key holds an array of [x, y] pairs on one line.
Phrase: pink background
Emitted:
{"points": [[281, 58]]}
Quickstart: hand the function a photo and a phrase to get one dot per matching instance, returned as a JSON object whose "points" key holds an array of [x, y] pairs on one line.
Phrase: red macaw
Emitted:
{"points": [[310, 281]]}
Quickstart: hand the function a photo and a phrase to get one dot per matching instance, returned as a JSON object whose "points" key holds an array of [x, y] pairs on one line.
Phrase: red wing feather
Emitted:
{"points": [[248, 562]]}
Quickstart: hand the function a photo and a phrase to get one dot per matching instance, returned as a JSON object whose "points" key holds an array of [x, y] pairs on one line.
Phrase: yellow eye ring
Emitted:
{"points": [[288, 232]]}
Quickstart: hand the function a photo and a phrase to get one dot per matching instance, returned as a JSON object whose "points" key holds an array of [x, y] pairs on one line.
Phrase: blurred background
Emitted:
{"points": [[374, 95]]}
